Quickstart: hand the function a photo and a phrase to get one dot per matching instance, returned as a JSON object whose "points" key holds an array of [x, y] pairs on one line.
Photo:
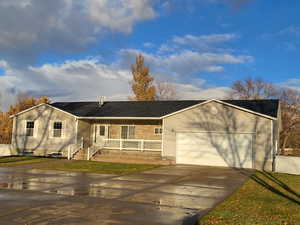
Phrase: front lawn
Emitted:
{"points": [[22, 160], [266, 198], [95, 167]]}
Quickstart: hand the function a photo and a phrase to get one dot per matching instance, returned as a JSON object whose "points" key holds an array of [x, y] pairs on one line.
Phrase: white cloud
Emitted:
{"points": [[204, 42], [72, 80], [293, 83], [149, 45], [285, 33], [30, 27], [87, 79], [186, 62], [190, 91], [200, 43], [119, 15], [286, 38], [291, 30]]}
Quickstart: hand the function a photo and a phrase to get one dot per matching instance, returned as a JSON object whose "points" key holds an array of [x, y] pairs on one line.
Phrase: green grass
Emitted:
{"points": [[22, 160], [96, 167], [265, 199]]}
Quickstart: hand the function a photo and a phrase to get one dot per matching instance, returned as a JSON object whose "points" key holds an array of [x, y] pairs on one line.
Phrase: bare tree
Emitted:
{"points": [[290, 105], [253, 89], [166, 91]]}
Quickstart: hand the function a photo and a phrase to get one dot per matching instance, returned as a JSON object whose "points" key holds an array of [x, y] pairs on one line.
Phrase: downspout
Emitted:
{"points": [[76, 132], [272, 147], [162, 138]]}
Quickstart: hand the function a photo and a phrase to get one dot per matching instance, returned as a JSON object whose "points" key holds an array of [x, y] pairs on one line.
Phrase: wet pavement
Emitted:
{"points": [[166, 195]]}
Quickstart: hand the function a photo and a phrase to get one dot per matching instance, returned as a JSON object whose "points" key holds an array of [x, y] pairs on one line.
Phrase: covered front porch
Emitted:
{"points": [[134, 136], [133, 144]]}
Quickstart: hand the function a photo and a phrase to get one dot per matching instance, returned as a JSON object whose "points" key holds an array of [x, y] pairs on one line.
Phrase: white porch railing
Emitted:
{"points": [[73, 149], [133, 144], [92, 150]]}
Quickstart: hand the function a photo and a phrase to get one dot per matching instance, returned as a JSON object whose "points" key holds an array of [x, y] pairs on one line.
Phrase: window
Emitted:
{"points": [[57, 129], [127, 132], [102, 130], [29, 128], [158, 131]]}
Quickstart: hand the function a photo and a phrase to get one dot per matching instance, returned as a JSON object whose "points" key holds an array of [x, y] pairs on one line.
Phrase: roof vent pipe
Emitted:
{"points": [[101, 101]]}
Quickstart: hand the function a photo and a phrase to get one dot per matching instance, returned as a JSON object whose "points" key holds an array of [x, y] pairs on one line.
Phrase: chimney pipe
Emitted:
{"points": [[101, 100]]}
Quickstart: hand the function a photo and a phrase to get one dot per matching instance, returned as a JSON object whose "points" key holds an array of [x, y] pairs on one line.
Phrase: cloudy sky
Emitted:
{"points": [[83, 49]]}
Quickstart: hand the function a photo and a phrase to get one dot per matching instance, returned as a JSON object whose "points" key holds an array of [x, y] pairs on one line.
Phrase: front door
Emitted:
{"points": [[100, 134]]}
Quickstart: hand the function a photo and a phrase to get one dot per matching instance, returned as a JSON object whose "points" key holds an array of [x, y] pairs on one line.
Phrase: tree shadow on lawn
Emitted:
{"points": [[266, 180], [269, 181], [14, 159]]}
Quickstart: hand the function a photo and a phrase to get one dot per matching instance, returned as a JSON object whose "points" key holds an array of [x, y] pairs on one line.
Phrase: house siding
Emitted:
{"points": [[42, 143], [84, 131], [217, 117]]}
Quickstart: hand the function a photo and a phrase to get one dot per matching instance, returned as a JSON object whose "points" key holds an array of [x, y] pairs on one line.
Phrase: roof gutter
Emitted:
{"points": [[119, 118]]}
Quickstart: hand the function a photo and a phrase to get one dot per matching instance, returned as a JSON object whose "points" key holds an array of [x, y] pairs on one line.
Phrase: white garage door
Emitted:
{"points": [[214, 149]]}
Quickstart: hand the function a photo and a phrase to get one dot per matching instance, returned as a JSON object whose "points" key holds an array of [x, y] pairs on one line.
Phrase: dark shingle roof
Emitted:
{"points": [[267, 107], [155, 108]]}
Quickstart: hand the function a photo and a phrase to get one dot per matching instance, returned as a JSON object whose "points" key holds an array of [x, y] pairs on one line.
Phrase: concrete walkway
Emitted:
{"points": [[168, 195]]}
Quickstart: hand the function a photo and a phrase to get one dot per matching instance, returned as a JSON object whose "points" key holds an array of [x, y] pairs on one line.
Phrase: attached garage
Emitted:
{"points": [[214, 149], [229, 133]]}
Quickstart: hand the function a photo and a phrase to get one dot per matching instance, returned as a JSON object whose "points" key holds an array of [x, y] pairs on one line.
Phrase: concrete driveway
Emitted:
{"points": [[167, 195]]}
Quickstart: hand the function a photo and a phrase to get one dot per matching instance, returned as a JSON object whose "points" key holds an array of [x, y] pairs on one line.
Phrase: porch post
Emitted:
{"points": [[88, 153], [69, 152], [76, 131], [142, 145]]}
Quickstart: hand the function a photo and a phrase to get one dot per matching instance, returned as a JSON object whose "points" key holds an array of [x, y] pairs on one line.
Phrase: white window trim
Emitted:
{"points": [[35, 127], [129, 125], [158, 134], [51, 129]]}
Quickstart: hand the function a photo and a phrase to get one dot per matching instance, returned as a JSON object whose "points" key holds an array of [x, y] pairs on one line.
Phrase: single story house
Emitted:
{"points": [[231, 133]]}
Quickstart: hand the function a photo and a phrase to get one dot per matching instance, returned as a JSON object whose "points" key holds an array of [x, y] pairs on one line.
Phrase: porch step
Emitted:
{"points": [[81, 155], [147, 154], [123, 158]]}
